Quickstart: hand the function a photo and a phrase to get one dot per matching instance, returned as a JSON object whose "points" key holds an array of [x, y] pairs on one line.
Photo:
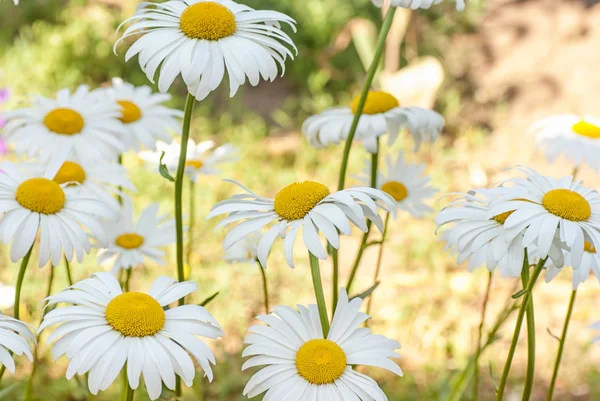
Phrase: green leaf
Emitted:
{"points": [[520, 293], [366, 293], [163, 170], [494, 381], [6, 391], [209, 299]]}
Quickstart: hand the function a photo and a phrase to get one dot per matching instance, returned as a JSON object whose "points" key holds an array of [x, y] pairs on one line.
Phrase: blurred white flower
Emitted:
{"points": [[416, 4], [7, 296], [244, 251], [17, 337], [590, 262]]}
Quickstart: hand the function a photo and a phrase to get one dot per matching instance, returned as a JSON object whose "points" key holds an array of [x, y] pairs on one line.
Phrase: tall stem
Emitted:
{"points": [[528, 388], [68, 269], [192, 222], [263, 272], [379, 260], [561, 346], [479, 338], [319, 294], [513, 346], [128, 273]]}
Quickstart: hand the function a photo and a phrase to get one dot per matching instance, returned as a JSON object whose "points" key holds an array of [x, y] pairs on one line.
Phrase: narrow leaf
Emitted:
{"points": [[366, 293], [209, 299], [520, 293], [163, 170]]}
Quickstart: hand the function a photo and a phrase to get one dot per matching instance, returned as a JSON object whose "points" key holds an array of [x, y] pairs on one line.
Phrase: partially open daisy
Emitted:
{"points": [[307, 205], [547, 209], [304, 364], [576, 138], [107, 329], [81, 121], [405, 183], [245, 250], [416, 4], [128, 243], [32, 204], [16, 337], [382, 114], [203, 39], [144, 116], [202, 158], [590, 261]]}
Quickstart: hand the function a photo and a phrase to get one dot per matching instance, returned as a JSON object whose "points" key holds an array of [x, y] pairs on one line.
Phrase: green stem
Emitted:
{"points": [[513, 346], [120, 188], [130, 392], [265, 288], [479, 338], [528, 388], [379, 260], [68, 269], [561, 346], [192, 222], [336, 275], [128, 273], [319, 294]]}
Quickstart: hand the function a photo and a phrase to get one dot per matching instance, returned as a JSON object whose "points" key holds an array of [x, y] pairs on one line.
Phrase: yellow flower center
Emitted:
{"points": [[296, 200], [41, 195], [207, 20], [589, 130], [320, 361], [70, 172], [396, 190], [64, 121], [135, 314], [129, 240], [589, 247], [501, 218], [377, 102], [567, 204], [130, 111], [197, 164]]}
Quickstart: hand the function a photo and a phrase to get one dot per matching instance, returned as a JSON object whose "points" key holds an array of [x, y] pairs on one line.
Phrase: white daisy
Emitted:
{"points": [[404, 182], [245, 250], [416, 4], [144, 116], [304, 365], [576, 138], [7, 296], [481, 240], [16, 337], [83, 121], [128, 242], [32, 204], [548, 210], [107, 329], [203, 39], [307, 205], [202, 158], [382, 114], [590, 261]]}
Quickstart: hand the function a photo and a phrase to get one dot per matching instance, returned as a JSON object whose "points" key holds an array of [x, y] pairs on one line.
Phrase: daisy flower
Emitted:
{"points": [[576, 138], [382, 114], [304, 364], [81, 121], [474, 236], [107, 329], [16, 337], [32, 204], [416, 4], [404, 182], [548, 210], [7, 296], [128, 242], [307, 205], [203, 39], [590, 261], [202, 158], [144, 116], [245, 250]]}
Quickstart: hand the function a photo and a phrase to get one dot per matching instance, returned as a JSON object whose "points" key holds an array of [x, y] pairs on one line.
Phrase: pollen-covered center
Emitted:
{"points": [[396, 190], [501, 218], [41, 195], [207, 20], [589, 130], [567, 204], [320, 361], [296, 200], [70, 172], [130, 112], [589, 247], [135, 314], [377, 102], [129, 240], [64, 121], [196, 164]]}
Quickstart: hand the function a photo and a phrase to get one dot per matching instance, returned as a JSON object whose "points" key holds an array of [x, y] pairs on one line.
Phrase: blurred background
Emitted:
{"points": [[491, 71]]}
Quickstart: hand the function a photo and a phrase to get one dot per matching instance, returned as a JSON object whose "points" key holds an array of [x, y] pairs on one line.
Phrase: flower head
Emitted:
{"points": [[16, 337], [244, 251], [416, 4], [590, 262]]}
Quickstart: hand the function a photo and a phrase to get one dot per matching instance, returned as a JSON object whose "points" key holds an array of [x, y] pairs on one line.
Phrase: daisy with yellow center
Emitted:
{"points": [[203, 158], [144, 116], [479, 239], [15, 337], [35, 204], [127, 243], [405, 183], [82, 122], [417, 4], [107, 331], [382, 114], [307, 205], [550, 211], [300, 361], [205, 39], [576, 138], [590, 262]]}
